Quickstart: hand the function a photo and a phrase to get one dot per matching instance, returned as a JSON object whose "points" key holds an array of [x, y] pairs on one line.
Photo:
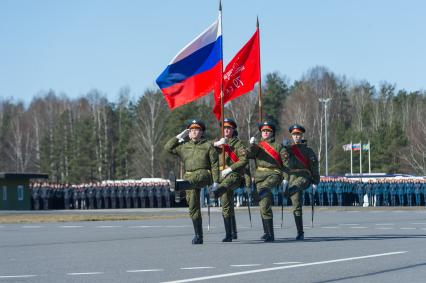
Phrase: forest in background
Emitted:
{"points": [[91, 138]]}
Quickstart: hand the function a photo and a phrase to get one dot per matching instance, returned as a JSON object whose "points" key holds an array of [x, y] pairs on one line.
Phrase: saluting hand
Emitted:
{"points": [[182, 135], [253, 140]]}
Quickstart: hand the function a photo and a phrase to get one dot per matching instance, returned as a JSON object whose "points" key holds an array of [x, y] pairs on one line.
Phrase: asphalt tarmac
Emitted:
{"points": [[357, 245]]}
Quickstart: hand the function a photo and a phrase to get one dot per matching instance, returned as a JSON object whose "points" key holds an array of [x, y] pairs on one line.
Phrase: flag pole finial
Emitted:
{"points": [[257, 21], [220, 5]]}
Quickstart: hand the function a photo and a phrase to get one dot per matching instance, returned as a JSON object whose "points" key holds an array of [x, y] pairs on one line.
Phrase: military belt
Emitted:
{"points": [[191, 172], [300, 171], [266, 169]]}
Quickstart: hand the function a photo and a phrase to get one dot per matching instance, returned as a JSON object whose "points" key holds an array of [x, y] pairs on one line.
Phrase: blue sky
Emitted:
{"points": [[75, 46]]}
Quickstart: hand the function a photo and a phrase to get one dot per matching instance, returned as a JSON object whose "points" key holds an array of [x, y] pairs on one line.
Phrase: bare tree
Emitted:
{"points": [[243, 111], [151, 116]]}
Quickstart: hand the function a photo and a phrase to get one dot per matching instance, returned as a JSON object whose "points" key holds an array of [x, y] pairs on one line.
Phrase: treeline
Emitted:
{"points": [[90, 138]]}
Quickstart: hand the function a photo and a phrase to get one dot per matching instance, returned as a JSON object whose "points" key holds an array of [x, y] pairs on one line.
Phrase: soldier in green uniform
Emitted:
{"points": [[301, 170], [232, 175], [201, 166], [268, 175]]}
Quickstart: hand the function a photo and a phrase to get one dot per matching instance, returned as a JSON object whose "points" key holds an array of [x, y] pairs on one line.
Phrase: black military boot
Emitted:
{"points": [[269, 223], [299, 225], [234, 228], [177, 185], [198, 228], [228, 229], [216, 192], [265, 233]]}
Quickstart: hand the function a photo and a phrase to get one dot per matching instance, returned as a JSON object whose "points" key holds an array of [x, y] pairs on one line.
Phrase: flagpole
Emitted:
{"points": [[360, 158], [369, 158], [352, 172], [260, 76], [221, 88]]}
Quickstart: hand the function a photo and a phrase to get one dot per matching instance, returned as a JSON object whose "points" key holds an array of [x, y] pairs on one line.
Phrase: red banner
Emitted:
{"points": [[241, 74]]}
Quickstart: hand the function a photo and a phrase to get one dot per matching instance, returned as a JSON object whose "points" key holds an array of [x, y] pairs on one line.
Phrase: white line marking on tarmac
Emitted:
{"points": [[71, 226], [282, 267], [245, 265], [423, 228], [329, 227], [349, 224], [84, 273], [383, 228], [384, 224], [176, 226], [197, 267], [144, 270], [358, 227], [17, 276], [418, 223], [143, 226], [286, 262], [408, 228], [108, 226]]}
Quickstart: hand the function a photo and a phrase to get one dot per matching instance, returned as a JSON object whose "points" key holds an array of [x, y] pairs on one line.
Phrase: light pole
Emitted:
{"points": [[325, 101]]}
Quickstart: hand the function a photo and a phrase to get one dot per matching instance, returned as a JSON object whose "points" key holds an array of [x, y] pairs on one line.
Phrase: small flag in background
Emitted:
{"points": [[356, 146], [366, 147], [347, 147]]}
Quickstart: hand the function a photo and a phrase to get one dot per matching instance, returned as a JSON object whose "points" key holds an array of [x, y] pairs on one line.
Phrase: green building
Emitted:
{"points": [[15, 190]]}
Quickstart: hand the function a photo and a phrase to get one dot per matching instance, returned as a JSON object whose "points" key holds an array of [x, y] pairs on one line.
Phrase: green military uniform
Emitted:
{"points": [[200, 161], [299, 176], [232, 180], [268, 175]]}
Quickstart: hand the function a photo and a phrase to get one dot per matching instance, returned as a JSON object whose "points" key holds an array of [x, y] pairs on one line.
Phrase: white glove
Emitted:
{"points": [[314, 188], [215, 185], [219, 142], [252, 140], [182, 135], [285, 184], [226, 171]]}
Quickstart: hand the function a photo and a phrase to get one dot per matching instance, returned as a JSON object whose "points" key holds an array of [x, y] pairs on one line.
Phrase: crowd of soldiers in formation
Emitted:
{"points": [[101, 195], [148, 194], [343, 191]]}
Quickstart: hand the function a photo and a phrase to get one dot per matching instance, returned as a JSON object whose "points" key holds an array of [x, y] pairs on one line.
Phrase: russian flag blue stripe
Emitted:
{"points": [[194, 64]]}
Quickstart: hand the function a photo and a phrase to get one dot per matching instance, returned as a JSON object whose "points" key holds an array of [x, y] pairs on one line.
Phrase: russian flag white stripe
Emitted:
{"points": [[210, 35]]}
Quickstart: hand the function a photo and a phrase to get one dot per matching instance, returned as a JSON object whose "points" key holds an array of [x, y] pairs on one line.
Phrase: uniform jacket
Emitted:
{"points": [[196, 155], [296, 168], [240, 150]]}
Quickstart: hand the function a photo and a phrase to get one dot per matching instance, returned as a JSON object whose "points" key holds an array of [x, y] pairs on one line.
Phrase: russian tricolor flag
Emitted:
{"points": [[195, 70]]}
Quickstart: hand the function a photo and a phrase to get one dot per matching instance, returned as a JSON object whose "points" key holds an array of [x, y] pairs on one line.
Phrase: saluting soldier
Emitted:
{"points": [[232, 175], [201, 166], [302, 171], [268, 155]]}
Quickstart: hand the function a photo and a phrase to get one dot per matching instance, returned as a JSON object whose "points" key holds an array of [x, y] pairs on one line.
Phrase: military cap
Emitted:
{"points": [[191, 124], [296, 128], [267, 126], [228, 122]]}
